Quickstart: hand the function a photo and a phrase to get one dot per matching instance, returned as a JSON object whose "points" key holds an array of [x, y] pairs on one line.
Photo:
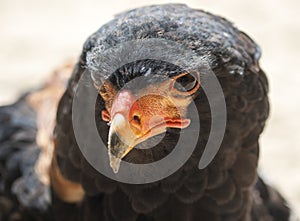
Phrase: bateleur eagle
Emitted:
{"points": [[45, 175]]}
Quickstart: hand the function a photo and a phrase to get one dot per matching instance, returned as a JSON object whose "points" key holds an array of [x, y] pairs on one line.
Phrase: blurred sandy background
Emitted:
{"points": [[37, 36]]}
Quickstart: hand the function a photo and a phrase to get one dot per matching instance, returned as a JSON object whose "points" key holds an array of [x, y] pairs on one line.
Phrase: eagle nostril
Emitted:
{"points": [[136, 119]]}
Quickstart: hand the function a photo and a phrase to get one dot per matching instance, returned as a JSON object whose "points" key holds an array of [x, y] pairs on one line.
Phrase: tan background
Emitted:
{"points": [[38, 35]]}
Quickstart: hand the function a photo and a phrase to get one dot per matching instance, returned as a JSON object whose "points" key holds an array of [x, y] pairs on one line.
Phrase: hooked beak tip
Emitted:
{"points": [[119, 137], [114, 163]]}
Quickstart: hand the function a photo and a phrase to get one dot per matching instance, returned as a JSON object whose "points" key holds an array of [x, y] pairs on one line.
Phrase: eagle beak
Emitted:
{"points": [[120, 140], [134, 121]]}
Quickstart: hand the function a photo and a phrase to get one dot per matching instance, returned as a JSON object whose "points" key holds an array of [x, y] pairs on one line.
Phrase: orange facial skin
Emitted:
{"points": [[134, 118]]}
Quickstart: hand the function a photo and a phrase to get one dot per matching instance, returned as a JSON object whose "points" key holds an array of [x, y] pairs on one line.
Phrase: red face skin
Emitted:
{"points": [[136, 118]]}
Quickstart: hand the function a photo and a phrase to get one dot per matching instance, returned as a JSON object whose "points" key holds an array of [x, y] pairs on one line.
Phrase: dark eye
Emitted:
{"points": [[102, 89], [186, 83]]}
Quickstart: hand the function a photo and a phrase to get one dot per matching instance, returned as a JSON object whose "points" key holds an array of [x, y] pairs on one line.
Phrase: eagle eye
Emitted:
{"points": [[186, 83]]}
